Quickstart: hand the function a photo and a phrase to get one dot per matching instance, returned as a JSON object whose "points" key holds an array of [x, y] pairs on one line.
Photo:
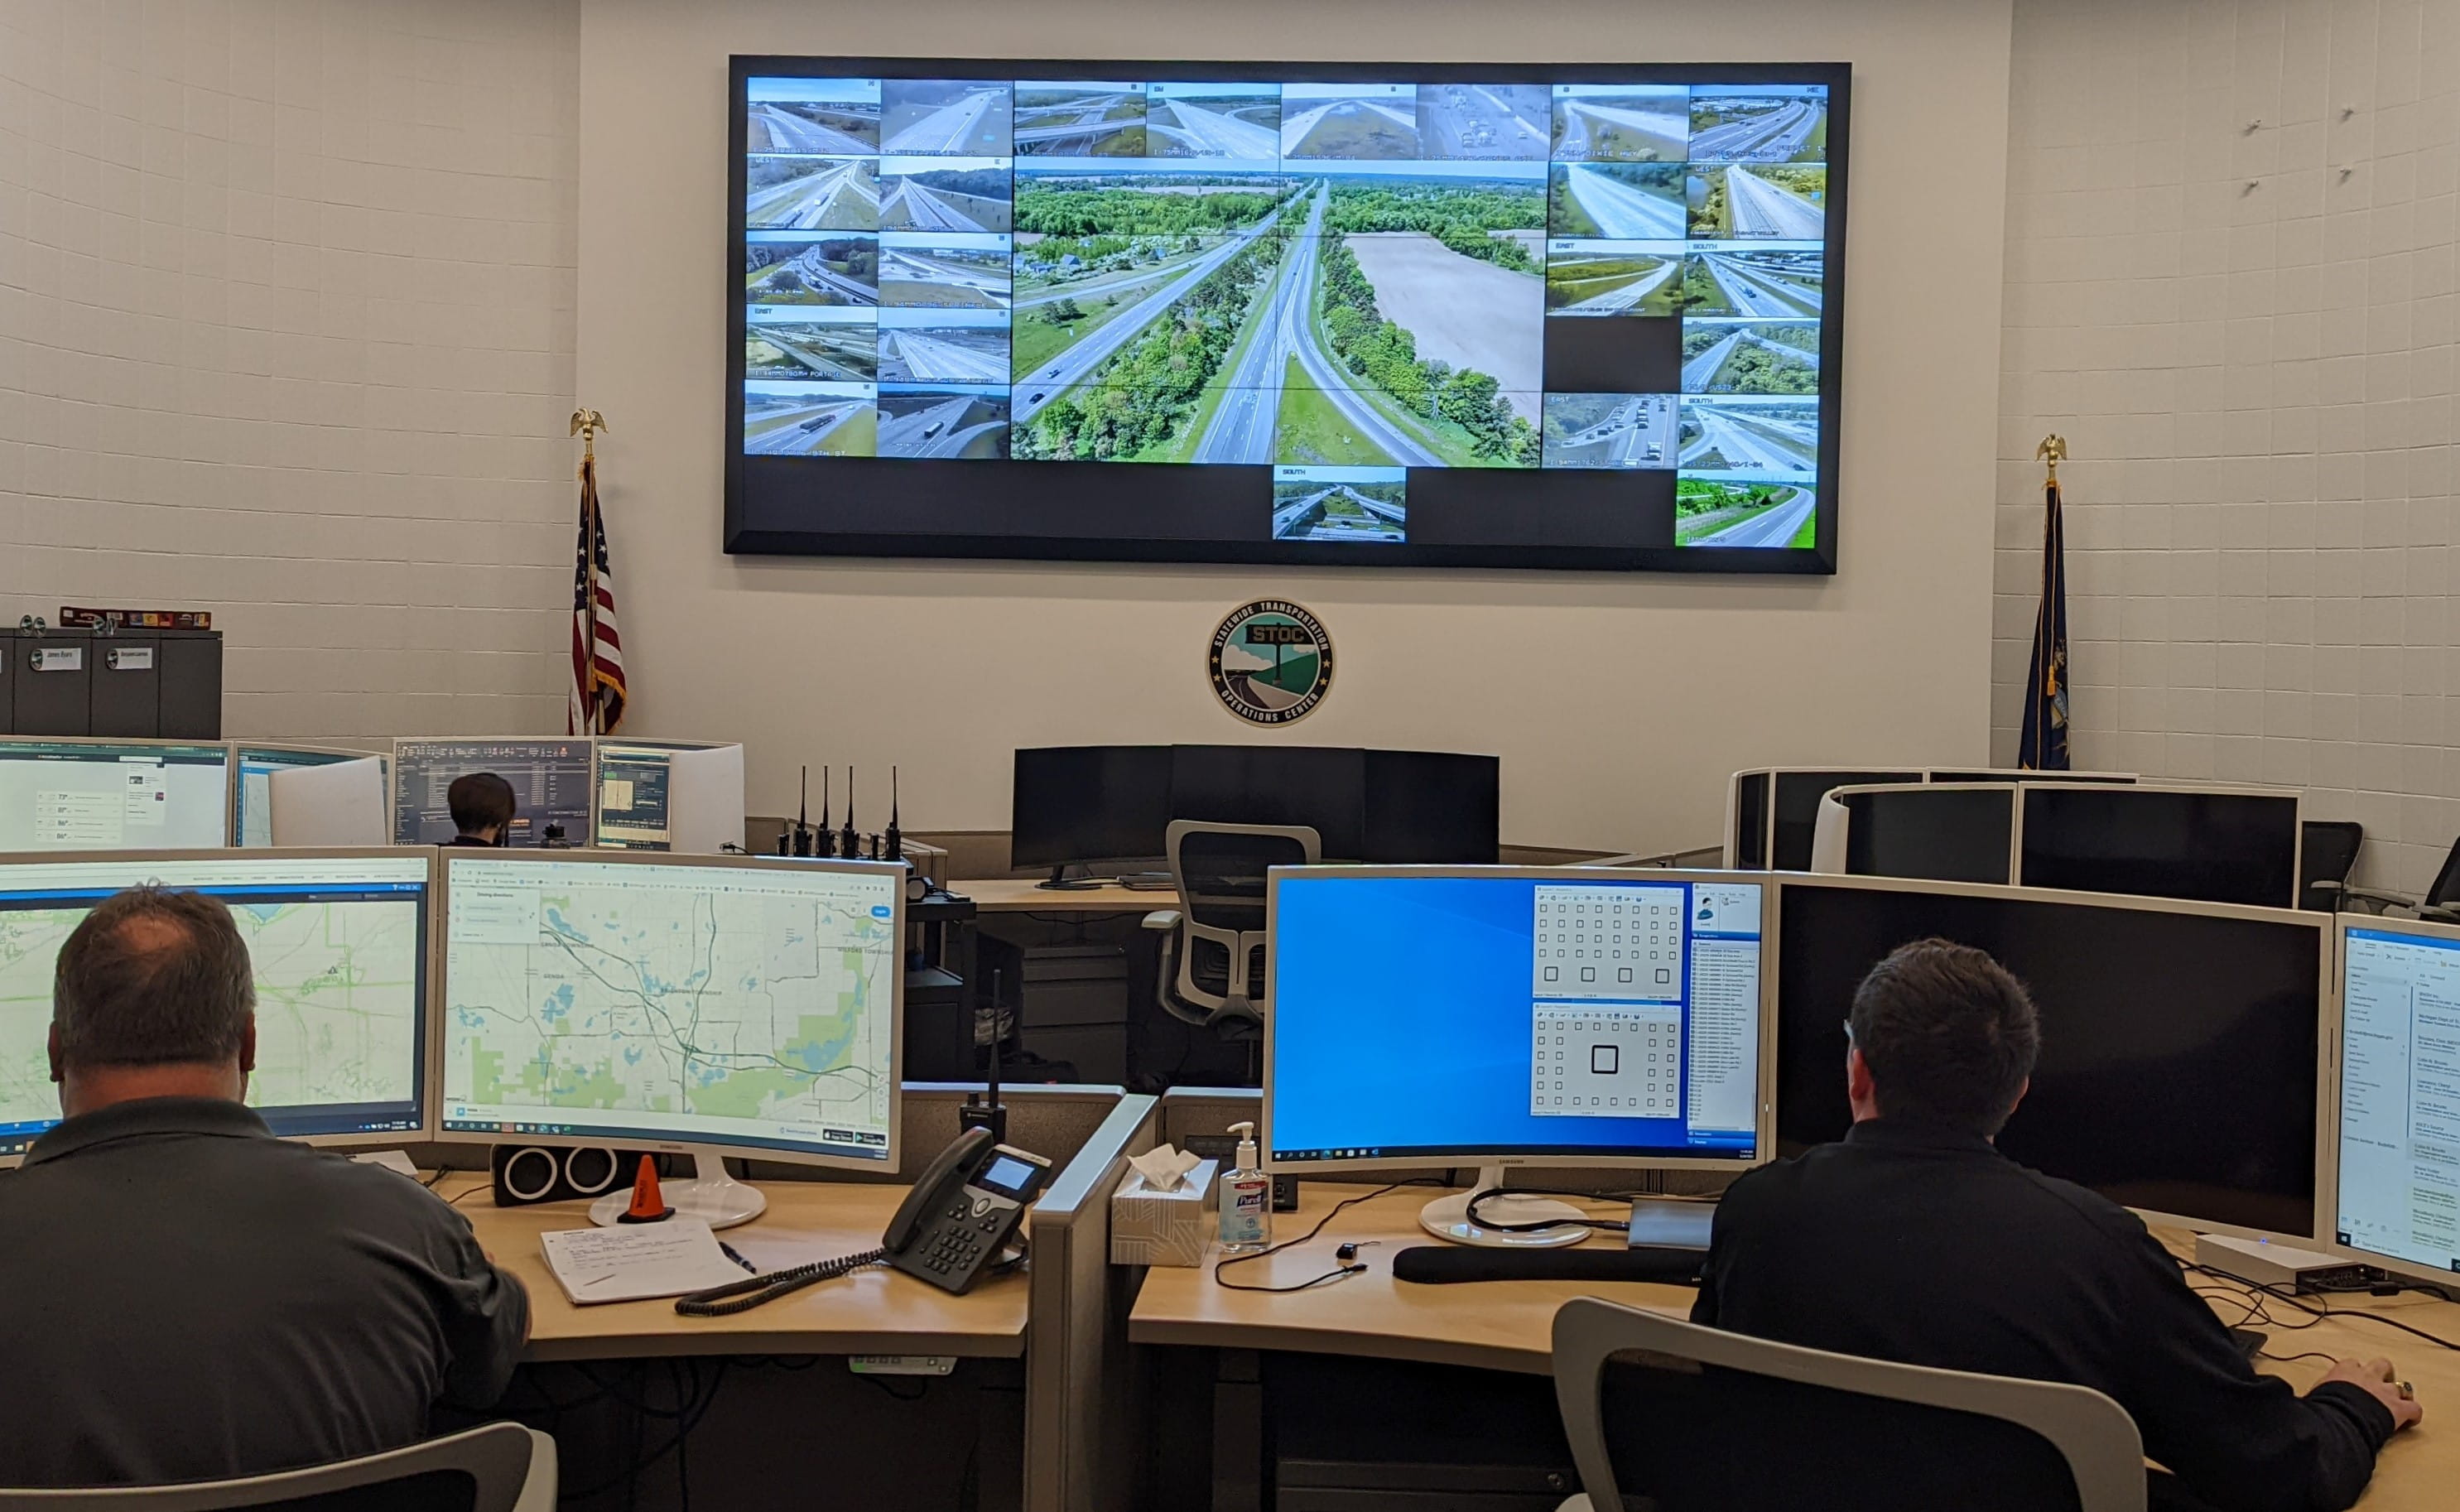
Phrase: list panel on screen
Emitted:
{"points": [[1403, 314], [2400, 1097]]}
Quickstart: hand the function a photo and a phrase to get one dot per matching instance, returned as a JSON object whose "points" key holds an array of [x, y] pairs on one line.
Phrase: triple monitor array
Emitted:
{"points": [[77, 794]]}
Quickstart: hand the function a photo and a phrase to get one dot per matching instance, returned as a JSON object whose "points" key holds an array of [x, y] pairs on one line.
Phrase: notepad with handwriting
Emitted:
{"points": [[633, 1262]]}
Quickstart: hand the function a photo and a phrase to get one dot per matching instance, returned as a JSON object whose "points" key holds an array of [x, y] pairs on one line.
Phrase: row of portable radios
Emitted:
{"points": [[64, 795], [2235, 1067]]}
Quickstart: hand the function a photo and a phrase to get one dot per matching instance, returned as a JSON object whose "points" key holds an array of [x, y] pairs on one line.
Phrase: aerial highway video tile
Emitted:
{"points": [[1759, 122], [944, 346], [827, 116], [945, 194], [957, 117], [1750, 441], [1483, 121], [1782, 202], [1589, 277], [1063, 120], [1619, 201], [1364, 505], [1742, 356], [1718, 513], [1242, 121], [952, 270], [1610, 430], [1622, 123], [945, 420], [1349, 120], [786, 268], [807, 420], [1724, 279], [810, 193], [837, 344]]}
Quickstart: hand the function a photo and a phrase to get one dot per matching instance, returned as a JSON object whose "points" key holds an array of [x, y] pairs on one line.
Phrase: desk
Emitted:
{"points": [[1017, 895], [1505, 1326], [874, 1312]]}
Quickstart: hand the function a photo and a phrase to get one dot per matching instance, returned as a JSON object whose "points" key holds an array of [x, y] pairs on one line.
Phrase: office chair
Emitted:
{"points": [[1678, 1417], [501, 1467], [1213, 945], [2328, 852]]}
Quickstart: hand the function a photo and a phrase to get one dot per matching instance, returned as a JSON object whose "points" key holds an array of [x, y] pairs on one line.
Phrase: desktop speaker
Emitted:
{"points": [[536, 1173]]}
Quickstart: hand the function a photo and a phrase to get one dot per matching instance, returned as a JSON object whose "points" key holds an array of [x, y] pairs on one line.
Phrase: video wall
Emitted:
{"points": [[1407, 316]]}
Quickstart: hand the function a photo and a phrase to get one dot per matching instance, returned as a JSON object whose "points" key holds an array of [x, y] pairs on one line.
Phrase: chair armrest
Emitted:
{"points": [[1162, 920]]}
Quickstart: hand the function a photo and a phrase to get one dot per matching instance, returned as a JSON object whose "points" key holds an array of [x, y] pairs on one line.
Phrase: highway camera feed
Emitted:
{"points": [[1364, 294]]}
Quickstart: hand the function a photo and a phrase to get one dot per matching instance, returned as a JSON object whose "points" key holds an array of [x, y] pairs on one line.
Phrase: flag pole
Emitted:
{"points": [[2047, 682], [587, 424]]}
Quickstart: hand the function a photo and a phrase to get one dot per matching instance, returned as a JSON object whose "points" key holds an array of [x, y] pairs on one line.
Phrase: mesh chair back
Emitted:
{"points": [[2328, 852]]}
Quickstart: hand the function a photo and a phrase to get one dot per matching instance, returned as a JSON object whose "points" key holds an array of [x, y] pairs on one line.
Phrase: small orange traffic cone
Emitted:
{"points": [[647, 1206]]}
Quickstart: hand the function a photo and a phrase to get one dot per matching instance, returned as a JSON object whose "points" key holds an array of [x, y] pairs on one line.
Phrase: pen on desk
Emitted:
{"points": [[736, 1255], [602, 1279]]}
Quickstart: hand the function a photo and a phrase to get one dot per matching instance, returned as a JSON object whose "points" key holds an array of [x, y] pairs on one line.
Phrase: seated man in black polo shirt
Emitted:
{"points": [[483, 807], [1916, 1240], [185, 1297]]}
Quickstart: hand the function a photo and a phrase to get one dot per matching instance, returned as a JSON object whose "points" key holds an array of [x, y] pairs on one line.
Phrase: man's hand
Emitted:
{"points": [[2375, 1378]]}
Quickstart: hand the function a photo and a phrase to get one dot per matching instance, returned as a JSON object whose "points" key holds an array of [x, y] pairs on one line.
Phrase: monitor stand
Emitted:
{"points": [[712, 1196], [1060, 881], [1448, 1217]]}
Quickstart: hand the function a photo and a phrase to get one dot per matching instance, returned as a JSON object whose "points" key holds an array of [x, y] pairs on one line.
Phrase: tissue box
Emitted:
{"points": [[1163, 1228]]}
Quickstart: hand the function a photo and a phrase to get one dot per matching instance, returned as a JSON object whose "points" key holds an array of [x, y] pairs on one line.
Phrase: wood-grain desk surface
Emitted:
{"points": [[1018, 895], [1507, 1325], [872, 1312]]}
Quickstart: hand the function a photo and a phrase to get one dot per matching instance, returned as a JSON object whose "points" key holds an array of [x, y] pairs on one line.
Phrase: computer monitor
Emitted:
{"points": [[2179, 1059], [1504, 1016], [2010, 773], [632, 794], [1937, 831], [1794, 808], [1437, 808], [1746, 821], [1322, 787], [252, 770], [339, 943], [550, 779], [2216, 844], [2397, 1140], [1080, 805], [113, 795], [716, 1006]]}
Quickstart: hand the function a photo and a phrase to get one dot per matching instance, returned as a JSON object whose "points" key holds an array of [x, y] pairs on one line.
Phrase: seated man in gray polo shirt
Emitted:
{"points": [[185, 1297]]}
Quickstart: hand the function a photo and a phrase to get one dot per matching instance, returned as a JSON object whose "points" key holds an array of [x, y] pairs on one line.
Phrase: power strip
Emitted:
{"points": [[2266, 1264]]}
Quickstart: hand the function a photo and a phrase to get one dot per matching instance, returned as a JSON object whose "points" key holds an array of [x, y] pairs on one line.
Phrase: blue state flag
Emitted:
{"points": [[2042, 745]]}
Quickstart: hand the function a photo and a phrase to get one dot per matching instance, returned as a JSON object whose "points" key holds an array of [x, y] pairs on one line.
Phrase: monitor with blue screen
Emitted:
{"points": [[2397, 1200], [1494, 1016], [338, 939]]}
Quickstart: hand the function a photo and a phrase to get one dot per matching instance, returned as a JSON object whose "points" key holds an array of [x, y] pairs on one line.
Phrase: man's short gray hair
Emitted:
{"points": [[153, 978]]}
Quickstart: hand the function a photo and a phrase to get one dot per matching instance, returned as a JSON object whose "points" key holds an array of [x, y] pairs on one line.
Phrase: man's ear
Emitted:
{"points": [[247, 1047], [1859, 1088], [52, 1046]]}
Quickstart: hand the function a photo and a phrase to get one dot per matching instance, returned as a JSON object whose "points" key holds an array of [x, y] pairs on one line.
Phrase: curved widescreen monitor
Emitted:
{"points": [[2180, 1041], [339, 943], [1445, 1016], [1939, 832], [1401, 314], [747, 1006], [2397, 1187], [2216, 844]]}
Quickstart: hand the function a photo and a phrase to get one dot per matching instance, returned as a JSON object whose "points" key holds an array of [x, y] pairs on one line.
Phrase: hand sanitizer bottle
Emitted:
{"points": [[1247, 1199]]}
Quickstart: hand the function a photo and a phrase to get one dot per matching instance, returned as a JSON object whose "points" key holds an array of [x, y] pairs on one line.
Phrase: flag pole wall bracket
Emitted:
{"points": [[2052, 451]]}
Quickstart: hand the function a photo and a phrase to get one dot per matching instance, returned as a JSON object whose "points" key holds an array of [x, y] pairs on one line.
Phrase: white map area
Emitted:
{"points": [[336, 1003], [751, 1008]]}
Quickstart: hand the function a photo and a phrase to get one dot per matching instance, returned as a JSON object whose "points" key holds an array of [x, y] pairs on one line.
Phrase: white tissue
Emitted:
{"points": [[1163, 1167]]}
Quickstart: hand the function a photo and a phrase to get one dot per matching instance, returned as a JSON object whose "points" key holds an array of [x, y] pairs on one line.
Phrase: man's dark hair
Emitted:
{"points": [[153, 978], [478, 799], [1949, 1035]]}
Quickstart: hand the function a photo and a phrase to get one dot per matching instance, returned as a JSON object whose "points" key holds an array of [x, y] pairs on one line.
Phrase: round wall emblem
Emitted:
{"points": [[1271, 662]]}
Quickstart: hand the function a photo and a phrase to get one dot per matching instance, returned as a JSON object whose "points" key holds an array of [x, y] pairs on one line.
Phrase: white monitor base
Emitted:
{"points": [[712, 1196], [1448, 1217]]}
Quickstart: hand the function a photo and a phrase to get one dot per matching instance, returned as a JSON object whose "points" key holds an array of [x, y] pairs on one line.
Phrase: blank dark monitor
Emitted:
{"points": [[1750, 820], [2216, 847], [2021, 775], [1433, 808], [1797, 809], [2179, 1062], [1323, 787], [1931, 833], [1076, 804]]}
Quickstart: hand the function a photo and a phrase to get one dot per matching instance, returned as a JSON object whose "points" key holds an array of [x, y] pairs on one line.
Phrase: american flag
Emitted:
{"points": [[596, 702]]}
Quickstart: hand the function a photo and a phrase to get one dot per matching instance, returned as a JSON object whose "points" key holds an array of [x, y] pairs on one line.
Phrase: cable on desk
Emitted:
{"points": [[1351, 1269], [1612, 1225], [751, 1291], [2326, 1310]]}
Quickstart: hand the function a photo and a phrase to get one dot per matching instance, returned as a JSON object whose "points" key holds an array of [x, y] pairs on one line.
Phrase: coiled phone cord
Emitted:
{"points": [[742, 1296]]}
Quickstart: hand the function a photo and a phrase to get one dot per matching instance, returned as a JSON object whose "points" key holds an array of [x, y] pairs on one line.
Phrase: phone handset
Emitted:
{"points": [[948, 1230]]}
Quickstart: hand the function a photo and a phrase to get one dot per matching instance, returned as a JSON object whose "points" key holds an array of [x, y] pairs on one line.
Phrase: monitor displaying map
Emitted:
{"points": [[741, 1006], [339, 945]]}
